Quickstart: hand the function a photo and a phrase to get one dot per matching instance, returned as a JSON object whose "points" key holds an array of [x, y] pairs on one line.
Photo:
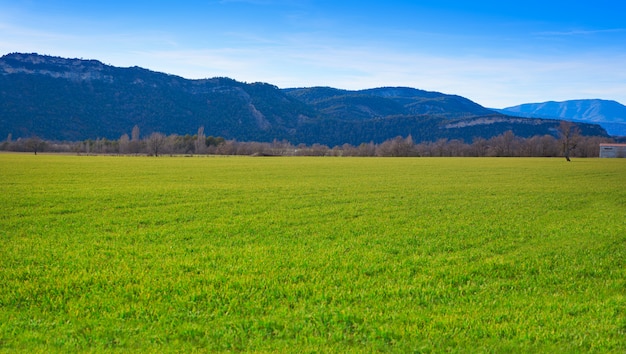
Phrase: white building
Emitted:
{"points": [[613, 150]]}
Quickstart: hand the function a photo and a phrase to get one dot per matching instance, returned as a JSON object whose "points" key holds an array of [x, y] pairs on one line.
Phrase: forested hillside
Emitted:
{"points": [[73, 99]]}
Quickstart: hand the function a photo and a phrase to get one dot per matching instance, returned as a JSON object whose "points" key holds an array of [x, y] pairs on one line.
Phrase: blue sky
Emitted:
{"points": [[496, 53]]}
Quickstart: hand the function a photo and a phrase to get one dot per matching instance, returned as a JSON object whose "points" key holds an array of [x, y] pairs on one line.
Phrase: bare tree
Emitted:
{"points": [[439, 147], [155, 143], [35, 144], [135, 144], [479, 147], [7, 143], [200, 143], [458, 148], [135, 133], [367, 149], [569, 136], [504, 144], [228, 147], [124, 144]]}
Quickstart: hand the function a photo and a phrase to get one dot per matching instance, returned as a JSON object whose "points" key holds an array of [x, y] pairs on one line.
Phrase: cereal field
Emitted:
{"points": [[305, 254]]}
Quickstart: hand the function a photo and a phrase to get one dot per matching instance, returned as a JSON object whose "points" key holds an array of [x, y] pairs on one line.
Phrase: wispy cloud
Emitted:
{"points": [[298, 48], [491, 81], [12, 31], [580, 32]]}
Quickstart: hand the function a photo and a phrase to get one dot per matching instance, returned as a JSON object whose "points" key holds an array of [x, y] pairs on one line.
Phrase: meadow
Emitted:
{"points": [[106, 253]]}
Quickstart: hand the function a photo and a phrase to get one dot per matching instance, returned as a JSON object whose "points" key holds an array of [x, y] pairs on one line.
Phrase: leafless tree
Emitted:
{"points": [[135, 133], [457, 148], [504, 144], [440, 147], [479, 147], [124, 144], [135, 145], [155, 143], [200, 143], [35, 144], [569, 136]]}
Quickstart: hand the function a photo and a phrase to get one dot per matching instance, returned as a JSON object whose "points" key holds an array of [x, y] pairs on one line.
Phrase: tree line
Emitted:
{"points": [[568, 143]]}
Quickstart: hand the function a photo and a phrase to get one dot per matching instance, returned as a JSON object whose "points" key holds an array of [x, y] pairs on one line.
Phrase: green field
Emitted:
{"points": [[312, 254]]}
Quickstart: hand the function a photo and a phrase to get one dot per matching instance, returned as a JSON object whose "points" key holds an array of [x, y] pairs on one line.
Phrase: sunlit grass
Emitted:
{"points": [[312, 254]]}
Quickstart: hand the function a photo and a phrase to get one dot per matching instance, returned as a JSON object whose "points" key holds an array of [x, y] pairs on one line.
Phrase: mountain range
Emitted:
{"points": [[610, 115], [74, 99]]}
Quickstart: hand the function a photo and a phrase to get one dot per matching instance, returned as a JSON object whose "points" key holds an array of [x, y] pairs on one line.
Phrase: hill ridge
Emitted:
{"points": [[609, 114], [75, 99]]}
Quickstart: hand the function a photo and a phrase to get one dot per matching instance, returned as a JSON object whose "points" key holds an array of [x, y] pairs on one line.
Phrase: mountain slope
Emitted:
{"points": [[609, 114], [384, 101], [426, 115], [73, 99]]}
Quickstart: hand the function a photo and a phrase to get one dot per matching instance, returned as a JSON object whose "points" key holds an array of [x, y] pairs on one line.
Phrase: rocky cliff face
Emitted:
{"points": [[71, 69]]}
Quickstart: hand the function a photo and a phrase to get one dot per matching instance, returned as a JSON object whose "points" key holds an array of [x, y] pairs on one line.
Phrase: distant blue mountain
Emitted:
{"points": [[610, 115]]}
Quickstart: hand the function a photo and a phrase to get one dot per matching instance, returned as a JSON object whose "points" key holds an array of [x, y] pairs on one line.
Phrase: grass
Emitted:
{"points": [[312, 254]]}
